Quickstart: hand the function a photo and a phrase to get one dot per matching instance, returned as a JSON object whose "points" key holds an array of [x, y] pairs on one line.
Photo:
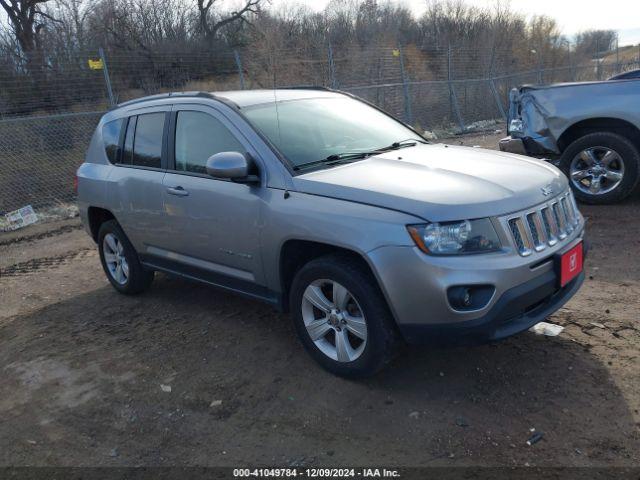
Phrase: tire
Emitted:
{"points": [[111, 239], [365, 303], [625, 155]]}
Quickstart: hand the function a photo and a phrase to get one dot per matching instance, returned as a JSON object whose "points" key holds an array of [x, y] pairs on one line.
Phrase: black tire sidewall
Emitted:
{"points": [[381, 336], [624, 147]]}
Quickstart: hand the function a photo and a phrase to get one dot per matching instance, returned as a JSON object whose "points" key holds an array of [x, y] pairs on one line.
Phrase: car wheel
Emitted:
{"points": [[601, 167], [120, 260], [342, 318]]}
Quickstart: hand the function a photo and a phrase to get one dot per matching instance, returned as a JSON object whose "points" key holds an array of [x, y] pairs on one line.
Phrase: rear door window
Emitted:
{"points": [[147, 143]]}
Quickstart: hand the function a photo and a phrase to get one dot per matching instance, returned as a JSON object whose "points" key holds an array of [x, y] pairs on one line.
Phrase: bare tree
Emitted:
{"points": [[27, 20], [592, 43], [210, 26]]}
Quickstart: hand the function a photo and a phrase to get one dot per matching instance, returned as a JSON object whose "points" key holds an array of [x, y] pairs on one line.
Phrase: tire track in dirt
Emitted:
{"points": [[41, 236], [44, 263]]}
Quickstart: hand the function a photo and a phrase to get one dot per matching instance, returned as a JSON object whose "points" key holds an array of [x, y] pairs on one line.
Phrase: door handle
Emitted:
{"points": [[177, 191]]}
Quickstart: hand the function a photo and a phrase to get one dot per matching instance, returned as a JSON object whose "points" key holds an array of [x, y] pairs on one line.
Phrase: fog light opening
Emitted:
{"points": [[470, 297]]}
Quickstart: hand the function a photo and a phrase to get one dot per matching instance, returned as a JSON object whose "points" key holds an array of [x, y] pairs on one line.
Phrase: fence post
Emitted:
{"points": [[492, 84], [332, 67], [572, 67], [598, 75], [453, 100], [236, 55], [540, 65], [408, 114], [107, 79]]}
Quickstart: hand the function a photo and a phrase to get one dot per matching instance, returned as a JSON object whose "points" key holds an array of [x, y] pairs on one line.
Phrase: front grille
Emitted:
{"points": [[544, 226]]}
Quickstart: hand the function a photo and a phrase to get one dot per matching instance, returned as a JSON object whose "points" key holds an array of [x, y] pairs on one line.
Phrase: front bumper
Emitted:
{"points": [[416, 287], [512, 145], [527, 146], [518, 309]]}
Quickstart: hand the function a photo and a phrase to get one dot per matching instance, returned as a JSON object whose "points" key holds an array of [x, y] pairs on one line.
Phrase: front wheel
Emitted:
{"points": [[342, 318], [602, 167]]}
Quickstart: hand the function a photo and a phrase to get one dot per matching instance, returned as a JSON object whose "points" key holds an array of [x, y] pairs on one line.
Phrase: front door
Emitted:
{"points": [[213, 224]]}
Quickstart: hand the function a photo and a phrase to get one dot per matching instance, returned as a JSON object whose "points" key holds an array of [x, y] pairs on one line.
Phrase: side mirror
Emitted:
{"points": [[231, 165]]}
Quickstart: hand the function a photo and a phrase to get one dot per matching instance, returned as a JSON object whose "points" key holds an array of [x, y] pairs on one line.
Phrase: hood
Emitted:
{"points": [[439, 182]]}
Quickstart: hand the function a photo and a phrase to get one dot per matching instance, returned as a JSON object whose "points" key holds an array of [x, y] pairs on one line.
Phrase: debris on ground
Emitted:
{"points": [[414, 415], [165, 388], [598, 325], [215, 403], [19, 218], [535, 438], [430, 135], [547, 329], [462, 422]]}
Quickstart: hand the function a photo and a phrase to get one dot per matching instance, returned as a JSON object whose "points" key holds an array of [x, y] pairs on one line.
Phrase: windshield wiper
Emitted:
{"points": [[347, 157], [335, 159], [408, 142]]}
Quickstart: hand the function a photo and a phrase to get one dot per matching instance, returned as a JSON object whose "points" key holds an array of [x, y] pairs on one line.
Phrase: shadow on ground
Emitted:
{"points": [[86, 382]]}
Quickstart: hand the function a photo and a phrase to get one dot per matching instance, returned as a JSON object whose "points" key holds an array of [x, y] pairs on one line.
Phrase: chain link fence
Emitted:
{"points": [[47, 117]]}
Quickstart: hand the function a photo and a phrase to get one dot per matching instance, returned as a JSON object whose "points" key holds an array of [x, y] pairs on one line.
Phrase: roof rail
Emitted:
{"points": [[306, 87], [161, 96]]}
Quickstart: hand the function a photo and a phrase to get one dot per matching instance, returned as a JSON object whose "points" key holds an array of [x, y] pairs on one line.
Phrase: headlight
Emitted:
{"points": [[516, 126], [450, 238]]}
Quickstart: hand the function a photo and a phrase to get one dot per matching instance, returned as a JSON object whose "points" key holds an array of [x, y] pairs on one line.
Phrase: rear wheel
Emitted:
{"points": [[601, 167], [120, 260], [342, 318]]}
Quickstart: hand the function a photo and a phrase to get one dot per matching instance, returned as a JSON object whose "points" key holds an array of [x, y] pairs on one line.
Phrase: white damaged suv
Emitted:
{"points": [[321, 204]]}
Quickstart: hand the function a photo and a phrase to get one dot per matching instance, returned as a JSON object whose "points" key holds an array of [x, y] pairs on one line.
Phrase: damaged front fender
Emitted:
{"points": [[528, 126]]}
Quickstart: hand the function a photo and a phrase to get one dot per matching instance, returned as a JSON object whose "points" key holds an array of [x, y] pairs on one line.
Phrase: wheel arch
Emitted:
{"points": [[295, 253], [599, 124], [96, 217]]}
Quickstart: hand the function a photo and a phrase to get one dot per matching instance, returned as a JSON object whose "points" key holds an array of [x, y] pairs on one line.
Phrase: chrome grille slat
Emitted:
{"points": [[538, 234], [520, 236], [560, 220], [545, 226], [551, 226], [567, 215]]}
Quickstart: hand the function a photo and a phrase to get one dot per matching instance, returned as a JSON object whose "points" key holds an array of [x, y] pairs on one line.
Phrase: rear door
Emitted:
{"points": [[136, 185], [213, 224]]}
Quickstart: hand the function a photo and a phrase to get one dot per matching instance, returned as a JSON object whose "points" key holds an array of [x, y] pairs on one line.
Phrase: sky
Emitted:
{"points": [[573, 16]]}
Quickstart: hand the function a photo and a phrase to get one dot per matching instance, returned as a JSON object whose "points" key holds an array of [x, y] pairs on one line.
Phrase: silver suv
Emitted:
{"points": [[324, 206]]}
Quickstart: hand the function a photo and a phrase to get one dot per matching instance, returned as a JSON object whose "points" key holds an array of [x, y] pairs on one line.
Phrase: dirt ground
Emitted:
{"points": [[188, 375]]}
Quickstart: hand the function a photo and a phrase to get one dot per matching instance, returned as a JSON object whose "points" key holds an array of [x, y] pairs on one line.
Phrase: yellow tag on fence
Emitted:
{"points": [[96, 64]]}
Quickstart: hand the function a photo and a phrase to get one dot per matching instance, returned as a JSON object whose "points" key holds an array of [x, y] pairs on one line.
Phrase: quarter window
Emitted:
{"points": [[111, 138], [198, 136]]}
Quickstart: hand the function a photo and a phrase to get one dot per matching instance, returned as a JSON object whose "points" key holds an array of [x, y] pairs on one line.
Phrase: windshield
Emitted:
{"points": [[309, 130]]}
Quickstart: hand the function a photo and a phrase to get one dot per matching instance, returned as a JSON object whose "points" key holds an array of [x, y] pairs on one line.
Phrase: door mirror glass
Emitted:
{"points": [[231, 165]]}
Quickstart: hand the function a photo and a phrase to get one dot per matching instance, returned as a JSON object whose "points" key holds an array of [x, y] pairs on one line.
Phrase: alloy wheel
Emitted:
{"points": [[596, 170], [334, 320], [114, 258]]}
